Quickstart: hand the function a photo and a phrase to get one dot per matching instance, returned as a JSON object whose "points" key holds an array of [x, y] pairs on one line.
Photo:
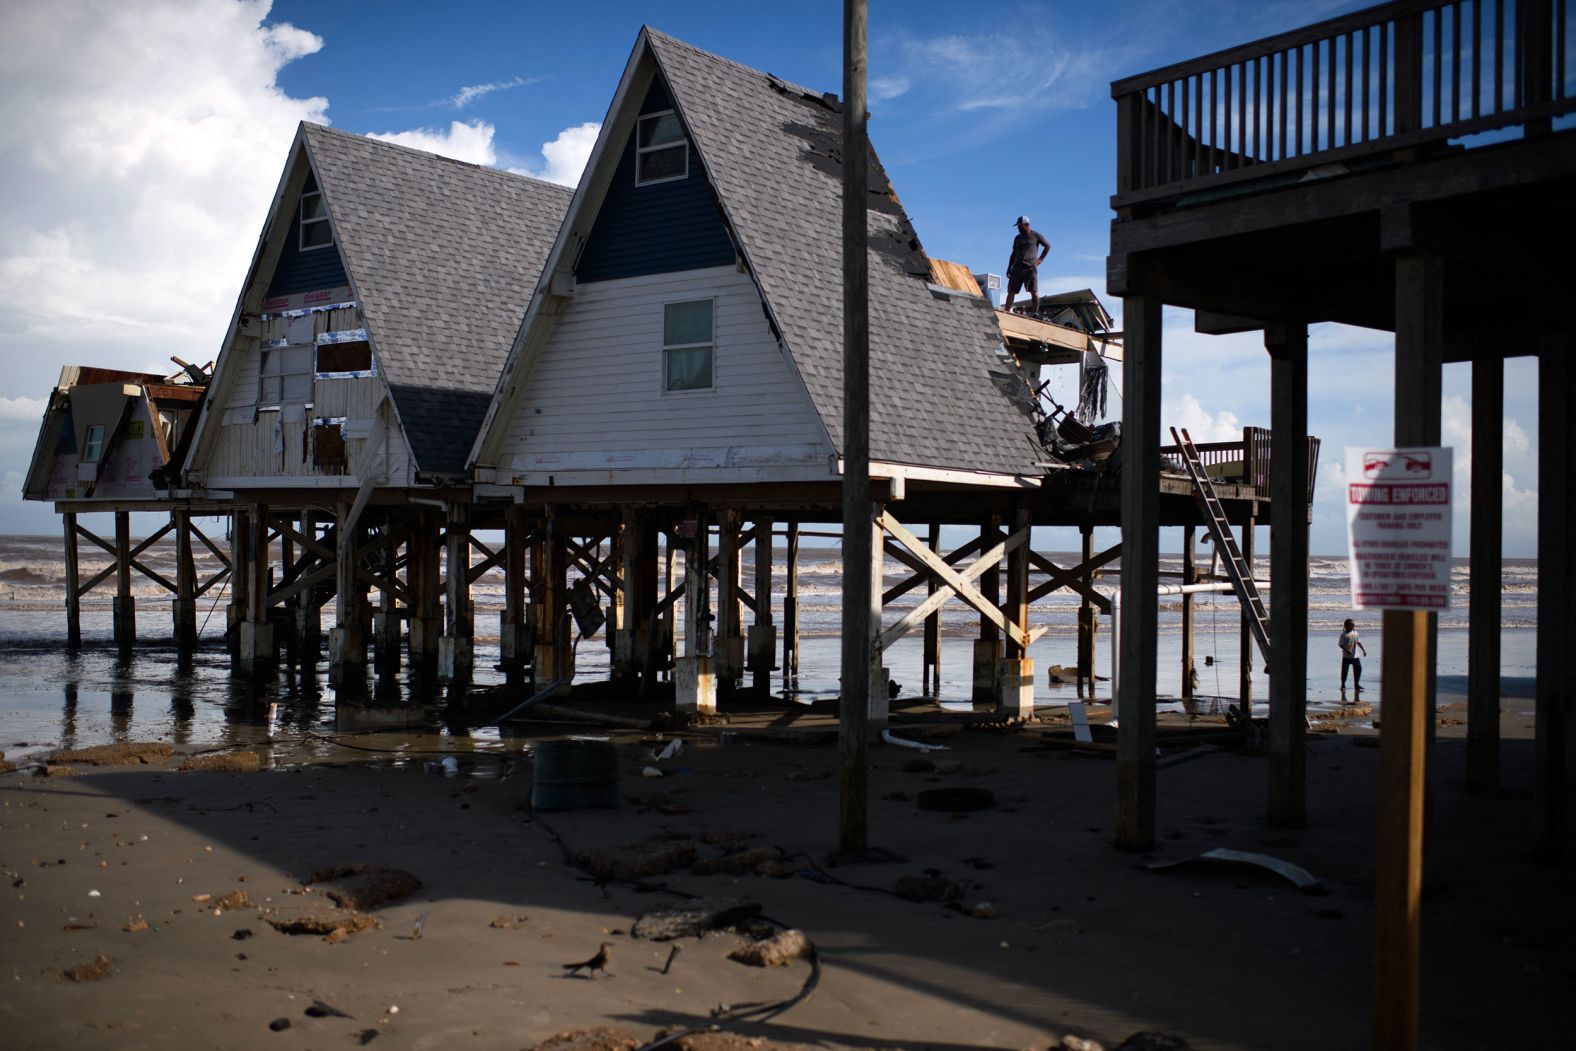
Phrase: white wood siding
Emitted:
{"points": [[594, 398], [261, 447]]}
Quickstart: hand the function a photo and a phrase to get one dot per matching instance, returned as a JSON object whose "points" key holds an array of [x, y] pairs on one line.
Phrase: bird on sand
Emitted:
{"points": [[595, 964]]}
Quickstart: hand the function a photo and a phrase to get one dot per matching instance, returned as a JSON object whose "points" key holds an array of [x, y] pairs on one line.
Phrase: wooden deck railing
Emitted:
{"points": [[1397, 75], [1241, 463]]}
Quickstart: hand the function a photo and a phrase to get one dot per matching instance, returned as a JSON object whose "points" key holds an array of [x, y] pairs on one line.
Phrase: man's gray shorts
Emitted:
{"points": [[1026, 277]]}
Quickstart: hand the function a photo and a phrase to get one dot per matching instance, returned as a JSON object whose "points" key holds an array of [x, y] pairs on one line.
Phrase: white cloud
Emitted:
{"points": [[1201, 424], [470, 141], [140, 145], [967, 73], [22, 409], [883, 89], [467, 95], [564, 158]]}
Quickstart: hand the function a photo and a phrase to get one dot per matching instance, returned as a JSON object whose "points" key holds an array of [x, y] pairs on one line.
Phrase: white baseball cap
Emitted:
{"points": [[1021, 219]]}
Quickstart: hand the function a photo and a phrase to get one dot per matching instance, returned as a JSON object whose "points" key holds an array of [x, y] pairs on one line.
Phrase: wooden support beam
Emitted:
{"points": [[513, 635], [549, 566], [426, 616], [1555, 718], [1288, 719], [729, 664], [987, 648], [347, 640], [306, 617], [920, 574], [1189, 576], [1070, 578], [125, 605], [1135, 704], [1017, 608], [183, 610], [1246, 645], [762, 642], [932, 658], [1485, 572], [791, 603], [455, 657], [1086, 608], [73, 582], [954, 582]]}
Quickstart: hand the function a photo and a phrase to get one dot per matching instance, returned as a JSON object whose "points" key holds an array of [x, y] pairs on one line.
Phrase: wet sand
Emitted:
{"points": [[1078, 938]]}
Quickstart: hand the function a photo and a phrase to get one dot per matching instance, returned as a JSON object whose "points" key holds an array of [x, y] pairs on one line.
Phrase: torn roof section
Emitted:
{"points": [[773, 151], [443, 256]]}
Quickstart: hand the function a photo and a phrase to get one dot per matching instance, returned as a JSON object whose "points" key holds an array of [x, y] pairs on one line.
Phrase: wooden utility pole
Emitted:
{"points": [[1288, 349], [852, 832], [1486, 572]]}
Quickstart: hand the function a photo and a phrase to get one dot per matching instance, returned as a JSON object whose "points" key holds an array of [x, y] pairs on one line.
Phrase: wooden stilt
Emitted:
{"points": [[1486, 572], [386, 633], [791, 605], [305, 610], [1555, 719], [552, 639], [1288, 347], [426, 575], [455, 656], [616, 613], [257, 638], [240, 581], [762, 655], [125, 605], [1015, 676], [932, 661], [1135, 705], [1189, 576], [695, 690], [347, 641], [878, 681], [1086, 617], [513, 637], [987, 648], [729, 664], [73, 582], [183, 609], [1419, 346], [1245, 641]]}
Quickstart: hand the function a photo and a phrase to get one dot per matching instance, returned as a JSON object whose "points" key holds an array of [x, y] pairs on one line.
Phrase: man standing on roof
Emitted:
{"points": [[1022, 267]]}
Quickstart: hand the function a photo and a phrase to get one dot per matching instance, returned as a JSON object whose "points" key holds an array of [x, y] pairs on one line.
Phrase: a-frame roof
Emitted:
{"points": [[772, 151], [442, 255]]}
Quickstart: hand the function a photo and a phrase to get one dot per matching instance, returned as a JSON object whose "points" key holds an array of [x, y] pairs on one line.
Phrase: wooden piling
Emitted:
{"points": [[305, 610], [695, 684], [549, 568], [1288, 719], [1246, 644], [729, 664], [1135, 705], [1485, 572], [932, 659], [347, 640], [988, 648], [1086, 616], [426, 615], [513, 637], [1555, 702], [73, 582], [183, 609], [791, 605], [1189, 576], [455, 657], [761, 657], [125, 612]]}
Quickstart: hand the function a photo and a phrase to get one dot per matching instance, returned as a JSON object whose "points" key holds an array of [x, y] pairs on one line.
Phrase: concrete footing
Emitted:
{"points": [[125, 608], [695, 686], [1015, 698], [255, 651], [455, 658], [987, 665]]}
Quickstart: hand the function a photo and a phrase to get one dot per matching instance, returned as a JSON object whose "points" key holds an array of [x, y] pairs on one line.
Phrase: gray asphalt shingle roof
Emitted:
{"points": [[445, 256], [773, 151]]}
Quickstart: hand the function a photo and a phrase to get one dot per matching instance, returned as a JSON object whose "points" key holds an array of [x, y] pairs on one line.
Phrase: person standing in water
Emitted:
{"points": [[1351, 645]]}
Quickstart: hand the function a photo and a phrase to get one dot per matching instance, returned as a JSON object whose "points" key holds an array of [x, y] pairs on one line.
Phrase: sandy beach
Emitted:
{"points": [[141, 900]]}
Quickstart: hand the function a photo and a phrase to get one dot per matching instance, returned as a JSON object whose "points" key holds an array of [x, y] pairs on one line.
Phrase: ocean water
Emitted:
{"points": [[50, 697]]}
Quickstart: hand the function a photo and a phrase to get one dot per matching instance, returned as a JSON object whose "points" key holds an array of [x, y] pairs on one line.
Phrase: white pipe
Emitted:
{"points": [[903, 742]]}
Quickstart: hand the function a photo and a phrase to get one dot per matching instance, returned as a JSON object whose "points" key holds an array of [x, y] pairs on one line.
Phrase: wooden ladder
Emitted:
{"points": [[1225, 542]]}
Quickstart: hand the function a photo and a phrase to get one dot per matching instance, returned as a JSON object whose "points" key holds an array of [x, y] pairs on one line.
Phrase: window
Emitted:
{"points": [[661, 154], [285, 375], [315, 231], [687, 346], [94, 447]]}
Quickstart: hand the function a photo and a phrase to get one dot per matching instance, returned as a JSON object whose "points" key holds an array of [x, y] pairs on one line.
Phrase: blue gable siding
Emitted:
{"points": [[309, 271], [656, 229]]}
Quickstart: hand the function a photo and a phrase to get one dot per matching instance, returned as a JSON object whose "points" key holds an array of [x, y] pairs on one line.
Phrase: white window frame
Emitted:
{"points": [[640, 151], [93, 442], [280, 347], [304, 222], [710, 345]]}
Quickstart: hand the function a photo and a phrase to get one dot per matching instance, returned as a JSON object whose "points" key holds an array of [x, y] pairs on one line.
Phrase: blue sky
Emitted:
{"points": [[143, 141]]}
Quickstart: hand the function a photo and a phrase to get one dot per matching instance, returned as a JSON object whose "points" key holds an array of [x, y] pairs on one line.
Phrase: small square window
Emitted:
{"points": [[687, 346], [661, 151], [93, 448], [284, 376], [315, 229]]}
